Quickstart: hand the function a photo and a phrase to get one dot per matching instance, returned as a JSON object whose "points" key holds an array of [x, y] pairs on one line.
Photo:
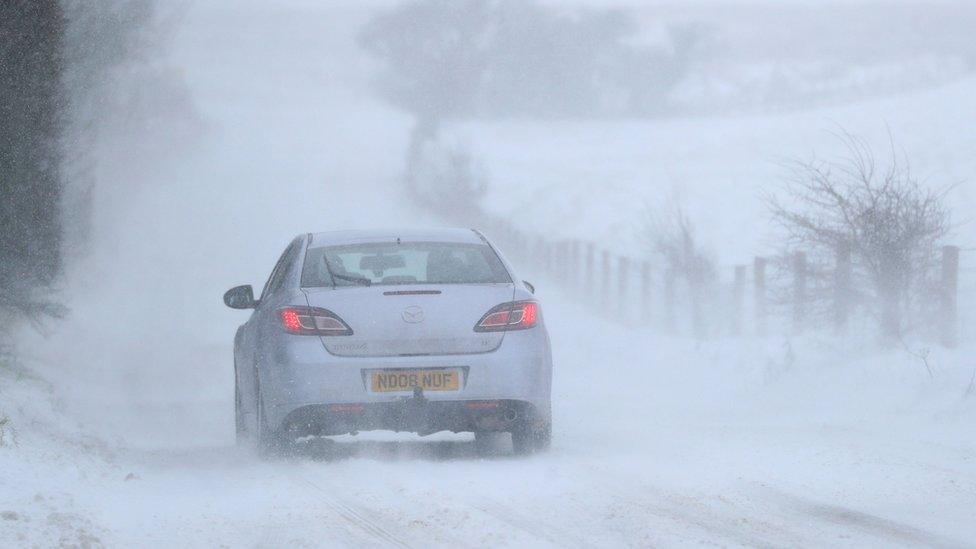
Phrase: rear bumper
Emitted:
{"points": [[302, 381], [417, 415]]}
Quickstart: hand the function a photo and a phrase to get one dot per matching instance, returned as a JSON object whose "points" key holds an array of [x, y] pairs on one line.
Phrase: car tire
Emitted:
{"points": [[487, 442], [268, 441], [528, 439], [239, 424], [543, 438]]}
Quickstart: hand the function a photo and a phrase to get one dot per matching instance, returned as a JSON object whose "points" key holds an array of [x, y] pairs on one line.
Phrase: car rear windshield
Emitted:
{"points": [[404, 263]]}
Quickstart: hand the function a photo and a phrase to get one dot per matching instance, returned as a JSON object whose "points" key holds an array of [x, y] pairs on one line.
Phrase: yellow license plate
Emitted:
{"points": [[388, 381]]}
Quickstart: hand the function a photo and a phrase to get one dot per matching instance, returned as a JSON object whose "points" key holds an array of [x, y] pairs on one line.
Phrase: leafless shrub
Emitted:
{"points": [[673, 236], [889, 221], [670, 234], [922, 355], [25, 303]]}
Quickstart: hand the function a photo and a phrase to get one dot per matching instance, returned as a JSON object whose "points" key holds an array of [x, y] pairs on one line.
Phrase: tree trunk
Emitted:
{"points": [[889, 294]]}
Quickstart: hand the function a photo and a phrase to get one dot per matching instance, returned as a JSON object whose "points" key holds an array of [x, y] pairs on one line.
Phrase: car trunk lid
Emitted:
{"points": [[411, 320]]}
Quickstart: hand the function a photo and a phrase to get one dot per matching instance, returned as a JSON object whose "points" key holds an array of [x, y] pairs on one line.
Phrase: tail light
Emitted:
{"points": [[481, 405], [312, 321], [346, 408], [515, 315]]}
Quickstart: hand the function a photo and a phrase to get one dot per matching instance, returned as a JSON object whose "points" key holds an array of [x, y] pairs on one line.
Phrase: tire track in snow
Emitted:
{"points": [[357, 517], [687, 512], [884, 529], [532, 526]]}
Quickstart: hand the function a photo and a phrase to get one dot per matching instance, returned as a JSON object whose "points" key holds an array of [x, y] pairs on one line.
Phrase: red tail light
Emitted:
{"points": [[481, 405], [515, 315], [313, 321], [346, 408]]}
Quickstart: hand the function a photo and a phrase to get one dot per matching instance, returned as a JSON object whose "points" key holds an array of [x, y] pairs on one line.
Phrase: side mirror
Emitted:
{"points": [[529, 285], [240, 297]]}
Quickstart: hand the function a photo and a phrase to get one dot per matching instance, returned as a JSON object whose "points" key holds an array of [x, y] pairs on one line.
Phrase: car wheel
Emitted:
{"points": [[241, 427], [487, 442], [527, 439], [543, 439], [268, 441]]}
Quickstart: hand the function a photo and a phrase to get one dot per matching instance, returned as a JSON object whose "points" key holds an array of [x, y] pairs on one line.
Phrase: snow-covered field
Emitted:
{"points": [[619, 169], [120, 428]]}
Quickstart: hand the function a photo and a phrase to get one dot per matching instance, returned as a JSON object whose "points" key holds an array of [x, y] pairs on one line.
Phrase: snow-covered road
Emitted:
{"points": [[657, 442], [653, 446], [437, 493]]}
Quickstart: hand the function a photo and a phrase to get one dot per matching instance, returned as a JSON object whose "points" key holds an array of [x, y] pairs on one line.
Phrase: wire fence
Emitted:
{"points": [[772, 295], [967, 291]]}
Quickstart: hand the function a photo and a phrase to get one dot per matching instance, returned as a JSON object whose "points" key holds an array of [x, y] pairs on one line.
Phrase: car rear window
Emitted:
{"points": [[389, 264]]}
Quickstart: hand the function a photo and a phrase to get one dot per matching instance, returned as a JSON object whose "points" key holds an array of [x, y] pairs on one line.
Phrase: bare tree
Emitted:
{"points": [[445, 59], [446, 177], [890, 223], [449, 60], [32, 112], [671, 234]]}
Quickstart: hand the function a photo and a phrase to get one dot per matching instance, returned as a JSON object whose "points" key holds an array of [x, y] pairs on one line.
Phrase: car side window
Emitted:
{"points": [[274, 273], [281, 270]]}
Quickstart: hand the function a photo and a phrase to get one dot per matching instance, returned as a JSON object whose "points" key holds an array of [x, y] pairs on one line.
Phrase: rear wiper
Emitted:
{"points": [[356, 279]]}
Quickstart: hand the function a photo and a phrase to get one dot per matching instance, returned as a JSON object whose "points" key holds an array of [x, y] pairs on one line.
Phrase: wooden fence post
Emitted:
{"points": [[574, 267], [623, 271], [550, 256], [523, 245], [738, 299], [515, 244], [759, 294], [590, 272], [554, 260], [606, 280], [950, 295], [568, 269], [799, 291], [560, 264], [646, 292], [539, 254], [843, 272], [505, 236], [554, 264]]}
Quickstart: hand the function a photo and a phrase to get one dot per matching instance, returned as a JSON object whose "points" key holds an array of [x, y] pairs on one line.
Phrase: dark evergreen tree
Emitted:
{"points": [[31, 123]]}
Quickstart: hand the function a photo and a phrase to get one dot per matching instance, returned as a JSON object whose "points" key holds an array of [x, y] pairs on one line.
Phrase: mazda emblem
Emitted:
{"points": [[413, 314]]}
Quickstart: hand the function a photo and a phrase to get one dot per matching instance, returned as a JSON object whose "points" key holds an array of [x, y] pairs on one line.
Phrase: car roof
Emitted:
{"points": [[337, 238]]}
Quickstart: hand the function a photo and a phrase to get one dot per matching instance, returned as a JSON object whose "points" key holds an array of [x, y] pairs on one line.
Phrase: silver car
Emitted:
{"points": [[415, 330]]}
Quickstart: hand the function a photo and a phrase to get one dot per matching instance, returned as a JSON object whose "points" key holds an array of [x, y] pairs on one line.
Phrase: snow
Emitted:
{"points": [[123, 414], [636, 165], [662, 442]]}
